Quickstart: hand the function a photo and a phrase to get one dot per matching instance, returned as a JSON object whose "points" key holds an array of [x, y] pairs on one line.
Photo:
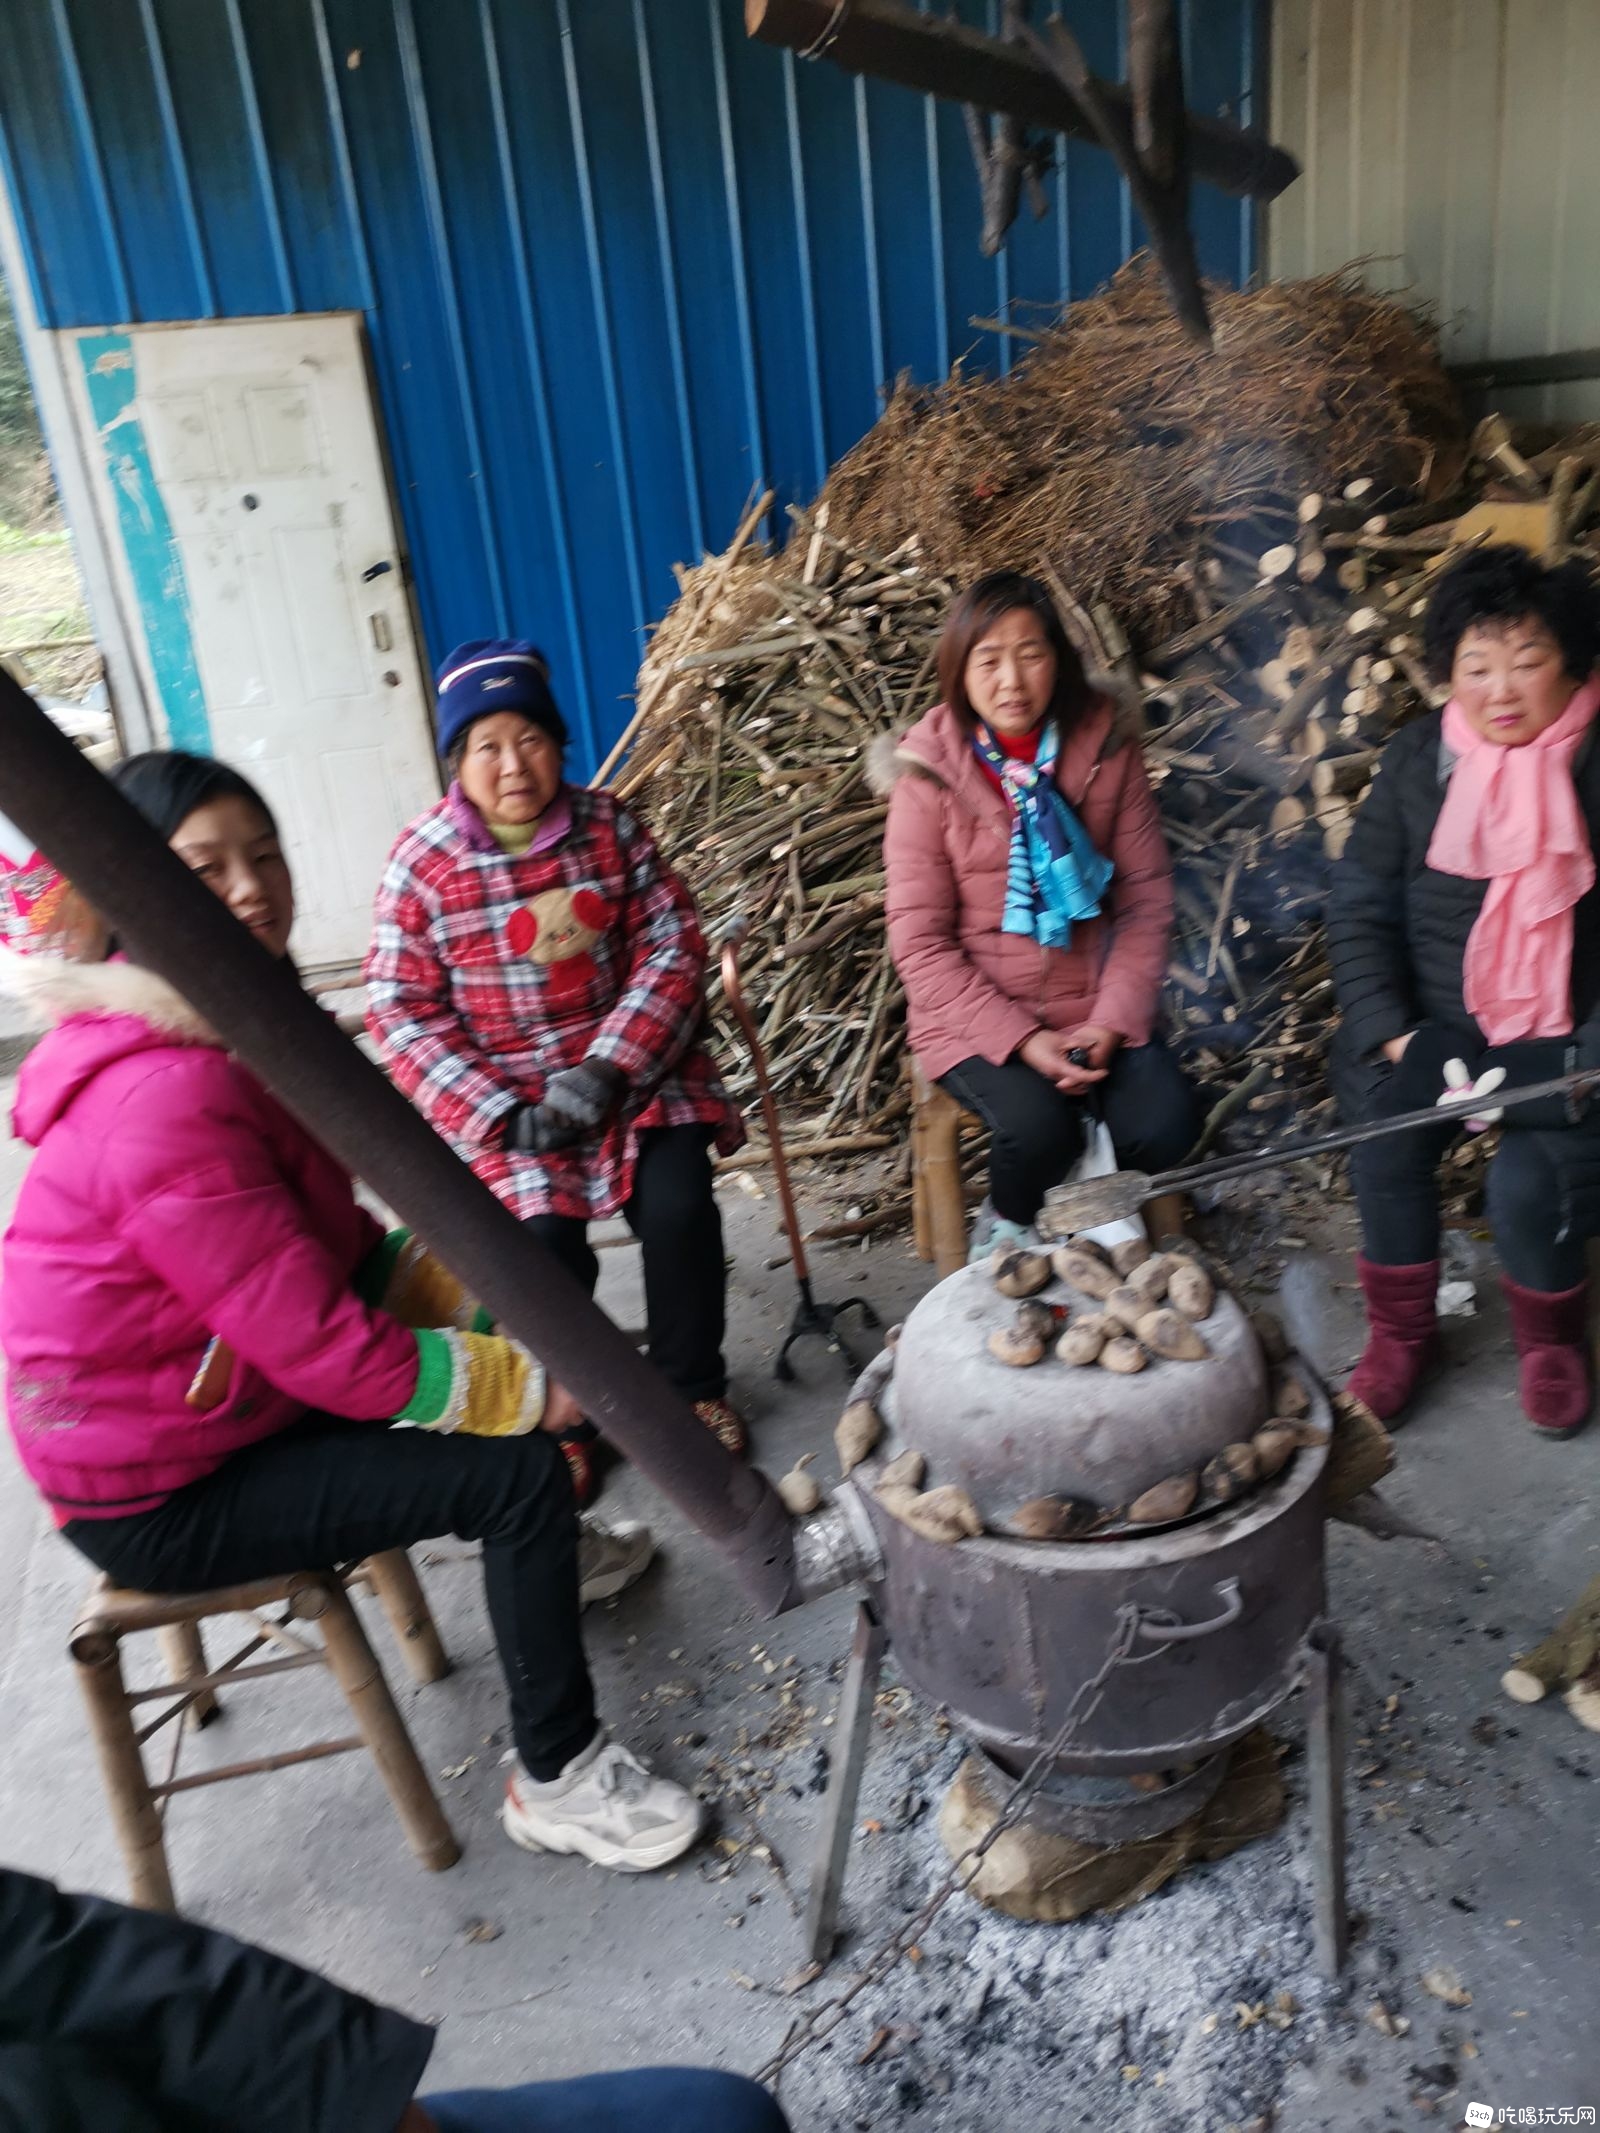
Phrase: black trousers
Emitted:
{"points": [[1538, 1201], [1038, 1134], [327, 1492], [674, 1214]]}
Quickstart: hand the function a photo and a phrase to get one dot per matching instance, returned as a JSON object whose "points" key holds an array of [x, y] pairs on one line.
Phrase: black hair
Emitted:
{"points": [[1496, 586], [166, 786], [977, 611]]}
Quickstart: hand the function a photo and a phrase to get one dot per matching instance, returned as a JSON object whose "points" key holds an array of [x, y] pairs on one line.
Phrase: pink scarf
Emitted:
{"points": [[1511, 818]]}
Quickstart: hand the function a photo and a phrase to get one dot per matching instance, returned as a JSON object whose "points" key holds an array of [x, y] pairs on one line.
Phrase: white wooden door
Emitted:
{"points": [[239, 467]]}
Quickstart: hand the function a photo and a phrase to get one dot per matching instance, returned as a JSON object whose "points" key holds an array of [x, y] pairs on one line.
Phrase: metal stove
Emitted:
{"points": [[1006, 1635]]}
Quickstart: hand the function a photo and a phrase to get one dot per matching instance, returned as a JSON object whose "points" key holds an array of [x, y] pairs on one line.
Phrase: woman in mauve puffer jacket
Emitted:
{"points": [[207, 1338], [1029, 898]]}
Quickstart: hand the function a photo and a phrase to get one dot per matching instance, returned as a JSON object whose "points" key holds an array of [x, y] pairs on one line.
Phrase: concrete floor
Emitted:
{"points": [[1473, 1821]]}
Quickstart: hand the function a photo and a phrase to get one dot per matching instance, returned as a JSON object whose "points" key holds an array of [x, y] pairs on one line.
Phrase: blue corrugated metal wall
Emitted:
{"points": [[619, 265]]}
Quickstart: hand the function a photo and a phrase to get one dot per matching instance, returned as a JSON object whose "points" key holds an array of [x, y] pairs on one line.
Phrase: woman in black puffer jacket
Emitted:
{"points": [[1465, 925]]}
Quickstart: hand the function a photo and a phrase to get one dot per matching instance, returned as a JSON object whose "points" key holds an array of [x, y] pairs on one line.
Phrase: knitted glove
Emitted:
{"points": [[1459, 1082], [475, 1382], [576, 1102], [401, 1276]]}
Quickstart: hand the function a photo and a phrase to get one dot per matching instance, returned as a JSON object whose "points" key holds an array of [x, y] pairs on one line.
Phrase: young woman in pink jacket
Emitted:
{"points": [[1030, 904], [209, 1342]]}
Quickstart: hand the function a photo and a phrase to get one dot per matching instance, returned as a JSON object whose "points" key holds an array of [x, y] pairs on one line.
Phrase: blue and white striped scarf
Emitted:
{"points": [[1055, 875]]}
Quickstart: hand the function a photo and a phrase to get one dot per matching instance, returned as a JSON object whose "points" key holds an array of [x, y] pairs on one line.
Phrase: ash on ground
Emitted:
{"points": [[1190, 2009]]}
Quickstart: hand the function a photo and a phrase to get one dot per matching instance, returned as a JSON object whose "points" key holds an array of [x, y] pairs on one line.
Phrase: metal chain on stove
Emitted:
{"points": [[824, 2020]]}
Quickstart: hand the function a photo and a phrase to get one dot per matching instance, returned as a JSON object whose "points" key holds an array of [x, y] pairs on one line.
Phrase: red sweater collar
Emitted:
{"points": [[1016, 748]]}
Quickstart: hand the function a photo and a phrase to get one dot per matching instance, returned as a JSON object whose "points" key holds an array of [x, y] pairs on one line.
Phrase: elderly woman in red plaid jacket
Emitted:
{"points": [[537, 985]]}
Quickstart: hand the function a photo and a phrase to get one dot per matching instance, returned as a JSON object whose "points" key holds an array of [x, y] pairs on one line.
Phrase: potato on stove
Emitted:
{"points": [[1089, 1275], [1150, 1277], [1032, 1316], [1123, 1355], [1190, 1290], [1127, 1306], [1083, 1340], [856, 1433], [1274, 1446], [946, 1515], [907, 1470], [1017, 1348], [1289, 1397], [1169, 1334], [1233, 1470], [1019, 1273], [1054, 1518], [1170, 1499]]}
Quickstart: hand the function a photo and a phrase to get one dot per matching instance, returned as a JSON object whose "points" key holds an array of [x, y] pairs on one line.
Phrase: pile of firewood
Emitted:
{"points": [[760, 696], [1266, 711], [1116, 449]]}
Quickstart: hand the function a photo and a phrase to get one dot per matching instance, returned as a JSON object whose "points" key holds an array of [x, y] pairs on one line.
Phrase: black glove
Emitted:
{"points": [[1418, 1076], [1533, 1059], [576, 1103]]}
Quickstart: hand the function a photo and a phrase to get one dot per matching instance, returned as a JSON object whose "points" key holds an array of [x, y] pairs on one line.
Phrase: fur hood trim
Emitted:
{"points": [[887, 758], [52, 990]]}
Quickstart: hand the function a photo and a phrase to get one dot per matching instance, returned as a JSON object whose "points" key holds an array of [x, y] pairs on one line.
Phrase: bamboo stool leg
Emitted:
{"points": [[183, 1654], [941, 1175], [400, 1591], [356, 1669], [97, 1662], [921, 1221]]}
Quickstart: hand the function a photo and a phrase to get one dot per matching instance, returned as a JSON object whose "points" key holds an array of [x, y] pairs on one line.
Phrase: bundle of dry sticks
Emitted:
{"points": [[1276, 643]]}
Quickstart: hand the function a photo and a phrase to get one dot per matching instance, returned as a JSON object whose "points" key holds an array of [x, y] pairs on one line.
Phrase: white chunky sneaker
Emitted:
{"points": [[606, 1806], [611, 1557]]}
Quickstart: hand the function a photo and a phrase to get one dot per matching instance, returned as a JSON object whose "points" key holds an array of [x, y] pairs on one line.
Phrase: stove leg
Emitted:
{"points": [[1325, 1741], [853, 1728]]}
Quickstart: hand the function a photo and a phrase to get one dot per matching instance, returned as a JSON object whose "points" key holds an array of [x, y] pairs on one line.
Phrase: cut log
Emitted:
{"points": [[1571, 1651], [1278, 562], [1275, 681], [1583, 1700], [1491, 440], [1361, 1453], [1311, 556], [1342, 773]]}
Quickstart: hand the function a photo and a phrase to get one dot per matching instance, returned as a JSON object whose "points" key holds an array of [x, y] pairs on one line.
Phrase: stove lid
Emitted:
{"points": [[1009, 1435]]}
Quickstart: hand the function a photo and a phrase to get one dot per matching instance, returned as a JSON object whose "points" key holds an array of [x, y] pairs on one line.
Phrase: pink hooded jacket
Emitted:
{"points": [[971, 990], [170, 1199]]}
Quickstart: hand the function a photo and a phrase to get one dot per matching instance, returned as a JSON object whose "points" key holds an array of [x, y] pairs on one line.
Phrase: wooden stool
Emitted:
{"points": [[138, 1806], [938, 1201]]}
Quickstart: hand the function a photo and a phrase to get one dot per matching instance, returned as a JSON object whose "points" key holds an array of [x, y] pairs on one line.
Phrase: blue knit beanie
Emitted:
{"points": [[490, 674]]}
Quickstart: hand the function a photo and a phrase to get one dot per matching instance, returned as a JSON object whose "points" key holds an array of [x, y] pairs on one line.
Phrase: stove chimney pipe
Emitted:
{"points": [[173, 925]]}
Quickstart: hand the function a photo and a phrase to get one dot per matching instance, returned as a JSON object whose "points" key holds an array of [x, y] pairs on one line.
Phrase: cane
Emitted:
{"points": [[809, 1315]]}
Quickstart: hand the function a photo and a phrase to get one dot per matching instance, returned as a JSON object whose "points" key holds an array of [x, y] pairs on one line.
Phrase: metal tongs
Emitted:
{"points": [[1069, 1209], [809, 1315]]}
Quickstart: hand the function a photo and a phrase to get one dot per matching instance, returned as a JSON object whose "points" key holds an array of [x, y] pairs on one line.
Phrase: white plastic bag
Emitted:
{"points": [[1099, 1160]]}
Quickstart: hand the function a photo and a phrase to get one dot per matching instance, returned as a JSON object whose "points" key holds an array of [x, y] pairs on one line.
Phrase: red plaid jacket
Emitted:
{"points": [[488, 974]]}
